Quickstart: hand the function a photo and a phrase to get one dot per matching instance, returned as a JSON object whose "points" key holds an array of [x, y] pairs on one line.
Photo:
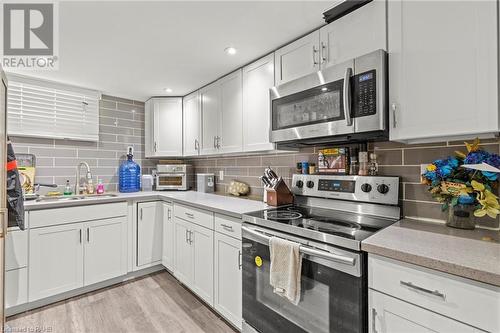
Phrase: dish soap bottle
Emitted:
{"points": [[67, 189], [130, 174], [100, 187]]}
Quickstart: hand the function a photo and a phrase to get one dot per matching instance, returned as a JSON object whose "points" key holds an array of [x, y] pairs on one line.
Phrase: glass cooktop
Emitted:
{"points": [[302, 220]]}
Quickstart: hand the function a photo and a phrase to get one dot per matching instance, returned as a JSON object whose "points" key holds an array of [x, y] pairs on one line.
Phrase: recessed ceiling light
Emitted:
{"points": [[167, 90], [324, 89], [230, 50]]}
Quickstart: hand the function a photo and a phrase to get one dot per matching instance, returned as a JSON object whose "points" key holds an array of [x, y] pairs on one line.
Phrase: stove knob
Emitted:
{"points": [[310, 184], [299, 183], [366, 187], [382, 188]]}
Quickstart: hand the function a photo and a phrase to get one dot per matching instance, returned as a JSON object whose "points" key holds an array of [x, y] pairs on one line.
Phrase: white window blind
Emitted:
{"points": [[38, 108]]}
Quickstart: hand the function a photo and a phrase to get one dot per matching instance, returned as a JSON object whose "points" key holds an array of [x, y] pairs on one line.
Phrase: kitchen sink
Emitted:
{"points": [[74, 197]]}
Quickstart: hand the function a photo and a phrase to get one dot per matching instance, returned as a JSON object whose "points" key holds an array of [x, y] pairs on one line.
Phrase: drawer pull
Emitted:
{"points": [[189, 215], [413, 287], [227, 227]]}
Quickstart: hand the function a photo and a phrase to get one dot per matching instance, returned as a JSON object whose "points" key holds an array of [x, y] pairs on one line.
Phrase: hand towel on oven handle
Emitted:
{"points": [[286, 267]]}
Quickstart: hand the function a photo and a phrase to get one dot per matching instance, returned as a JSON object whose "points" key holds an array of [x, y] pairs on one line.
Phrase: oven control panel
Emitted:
{"points": [[375, 189], [365, 94]]}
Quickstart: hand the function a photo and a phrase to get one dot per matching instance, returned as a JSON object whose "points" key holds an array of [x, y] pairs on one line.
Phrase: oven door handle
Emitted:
{"points": [[347, 96], [306, 249]]}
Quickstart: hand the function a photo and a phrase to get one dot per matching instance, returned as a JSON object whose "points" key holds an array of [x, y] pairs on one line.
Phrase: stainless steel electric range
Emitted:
{"points": [[329, 219]]}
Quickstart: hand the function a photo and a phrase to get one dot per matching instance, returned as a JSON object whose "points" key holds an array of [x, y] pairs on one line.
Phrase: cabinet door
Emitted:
{"points": [[56, 260], [149, 233], [202, 242], [168, 126], [443, 68], [391, 315], [105, 249], [16, 287], [168, 237], [258, 78], [231, 136], [191, 124], [210, 118], [149, 128], [359, 32], [183, 252], [298, 58], [227, 296]]}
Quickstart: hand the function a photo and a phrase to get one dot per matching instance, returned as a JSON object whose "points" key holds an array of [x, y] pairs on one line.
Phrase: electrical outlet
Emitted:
{"points": [[221, 174]]}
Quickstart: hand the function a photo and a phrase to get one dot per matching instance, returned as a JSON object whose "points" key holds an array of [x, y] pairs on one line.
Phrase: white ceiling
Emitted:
{"points": [[135, 49]]}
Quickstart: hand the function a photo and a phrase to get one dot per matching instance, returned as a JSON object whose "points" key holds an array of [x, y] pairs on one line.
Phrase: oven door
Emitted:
{"points": [[333, 293], [314, 106], [171, 181]]}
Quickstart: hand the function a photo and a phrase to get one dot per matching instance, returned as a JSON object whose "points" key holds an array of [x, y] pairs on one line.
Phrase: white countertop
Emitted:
{"points": [[214, 202]]}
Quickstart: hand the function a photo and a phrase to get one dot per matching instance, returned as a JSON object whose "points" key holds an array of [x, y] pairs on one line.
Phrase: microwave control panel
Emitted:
{"points": [[365, 94]]}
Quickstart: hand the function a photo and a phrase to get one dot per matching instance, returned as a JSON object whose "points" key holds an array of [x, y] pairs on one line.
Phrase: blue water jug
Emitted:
{"points": [[130, 174]]}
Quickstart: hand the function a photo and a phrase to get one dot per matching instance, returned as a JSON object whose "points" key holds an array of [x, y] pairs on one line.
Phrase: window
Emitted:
{"points": [[38, 108]]}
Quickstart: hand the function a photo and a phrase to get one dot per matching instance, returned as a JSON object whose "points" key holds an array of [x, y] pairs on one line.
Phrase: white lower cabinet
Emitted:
{"points": [[105, 250], [391, 315], [149, 233], [409, 298], [16, 287], [193, 263], [202, 241], [168, 237], [55, 260], [227, 293]]}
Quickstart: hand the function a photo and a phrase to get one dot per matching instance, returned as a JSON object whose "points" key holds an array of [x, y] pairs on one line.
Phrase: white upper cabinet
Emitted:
{"points": [[163, 127], [210, 118], [443, 68], [231, 137], [258, 78], [359, 32], [192, 124], [298, 58]]}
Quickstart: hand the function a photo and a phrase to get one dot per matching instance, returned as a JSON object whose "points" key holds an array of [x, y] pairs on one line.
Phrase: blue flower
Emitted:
{"points": [[466, 199], [445, 170], [491, 176], [476, 157]]}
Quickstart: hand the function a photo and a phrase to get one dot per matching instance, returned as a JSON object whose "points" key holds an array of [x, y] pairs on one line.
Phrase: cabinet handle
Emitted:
{"points": [[314, 56], [227, 227], [196, 144], [215, 142], [169, 214], [88, 235], [80, 235], [323, 53], [393, 109], [413, 287], [154, 147], [187, 239], [218, 142], [374, 318], [189, 215], [190, 237], [239, 259], [140, 214]]}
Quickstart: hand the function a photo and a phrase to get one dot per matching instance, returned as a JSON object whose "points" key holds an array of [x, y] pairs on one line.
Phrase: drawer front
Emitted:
{"points": [[449, 295], [194, 215], [55, 216], [228, 226], [16, 287], [16, 249]]}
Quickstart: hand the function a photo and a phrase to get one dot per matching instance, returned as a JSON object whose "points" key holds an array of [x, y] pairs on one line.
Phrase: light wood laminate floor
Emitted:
{"points": [[154, 303]]}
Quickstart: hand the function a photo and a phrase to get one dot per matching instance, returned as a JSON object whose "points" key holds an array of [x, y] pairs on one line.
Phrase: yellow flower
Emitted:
{"points": [[431, 167], [477, 186], [474, 146]]}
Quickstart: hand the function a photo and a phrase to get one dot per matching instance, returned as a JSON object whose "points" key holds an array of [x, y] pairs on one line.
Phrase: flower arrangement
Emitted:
{"points": [[458, 180]]}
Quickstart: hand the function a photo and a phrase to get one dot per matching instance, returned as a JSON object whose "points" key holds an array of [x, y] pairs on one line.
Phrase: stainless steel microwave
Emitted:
{"points": [[340, 103]]}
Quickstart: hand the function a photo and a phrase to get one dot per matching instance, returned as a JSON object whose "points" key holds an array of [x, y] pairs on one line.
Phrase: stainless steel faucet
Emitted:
{"points": [[82, 189]]}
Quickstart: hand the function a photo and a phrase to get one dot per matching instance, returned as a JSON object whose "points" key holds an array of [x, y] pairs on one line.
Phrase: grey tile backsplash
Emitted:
{"points": [[121, 124], [395, 159]]}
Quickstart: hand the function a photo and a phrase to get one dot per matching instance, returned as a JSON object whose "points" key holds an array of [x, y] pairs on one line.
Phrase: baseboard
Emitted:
{"points": [[76, 292]]}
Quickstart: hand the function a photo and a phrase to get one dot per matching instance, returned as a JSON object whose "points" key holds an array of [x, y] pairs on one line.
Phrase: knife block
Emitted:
{"points": [[279, 195]]}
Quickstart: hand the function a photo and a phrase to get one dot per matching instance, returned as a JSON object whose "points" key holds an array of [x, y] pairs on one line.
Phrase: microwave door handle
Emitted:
{"points": [[347, 96]]}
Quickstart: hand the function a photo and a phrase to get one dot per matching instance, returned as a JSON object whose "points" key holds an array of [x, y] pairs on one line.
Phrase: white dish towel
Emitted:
{"points": [[286, 266]]}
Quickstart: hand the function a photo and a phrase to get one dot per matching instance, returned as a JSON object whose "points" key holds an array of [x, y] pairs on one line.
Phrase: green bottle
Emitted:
{"points": [[67, 189]]}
